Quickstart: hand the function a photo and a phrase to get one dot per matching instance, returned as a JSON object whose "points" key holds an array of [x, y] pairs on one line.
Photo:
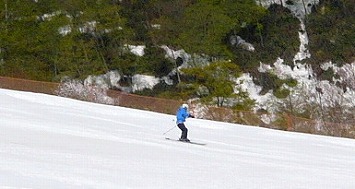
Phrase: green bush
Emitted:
{"points": [[291, 82], [281, 93]]}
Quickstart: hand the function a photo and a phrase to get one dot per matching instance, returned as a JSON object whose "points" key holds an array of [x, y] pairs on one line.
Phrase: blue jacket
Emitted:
{"points": [[181, 115]]}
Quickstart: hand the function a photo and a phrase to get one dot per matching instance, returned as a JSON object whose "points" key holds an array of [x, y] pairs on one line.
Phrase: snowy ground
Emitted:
{"points": [[52, 142]]}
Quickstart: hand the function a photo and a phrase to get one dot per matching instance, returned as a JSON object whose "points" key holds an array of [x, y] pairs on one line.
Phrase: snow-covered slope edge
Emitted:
{"points": [[53, 142]]}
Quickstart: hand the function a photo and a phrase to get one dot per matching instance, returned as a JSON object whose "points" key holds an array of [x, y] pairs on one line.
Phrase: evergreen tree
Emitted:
{"points": [[331, 33], [21, 42], [206, 24], [216, 81]]}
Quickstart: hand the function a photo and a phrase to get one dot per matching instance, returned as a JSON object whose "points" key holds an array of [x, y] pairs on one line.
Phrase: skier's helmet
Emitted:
{"points": [[185, 106]]}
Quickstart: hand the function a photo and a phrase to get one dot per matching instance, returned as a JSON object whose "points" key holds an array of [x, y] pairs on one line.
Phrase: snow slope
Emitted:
{"points": [[52, 142]]}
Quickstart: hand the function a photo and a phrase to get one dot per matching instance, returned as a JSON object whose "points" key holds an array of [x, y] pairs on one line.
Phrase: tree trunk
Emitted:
{"points": [[177, 70], [305, 9]]}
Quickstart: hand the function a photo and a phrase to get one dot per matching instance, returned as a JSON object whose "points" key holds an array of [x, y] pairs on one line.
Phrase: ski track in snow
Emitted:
{"points": [[53, 142]]}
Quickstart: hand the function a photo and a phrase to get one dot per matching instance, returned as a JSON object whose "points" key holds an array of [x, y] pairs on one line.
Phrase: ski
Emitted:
{"points": [[191, 142]]}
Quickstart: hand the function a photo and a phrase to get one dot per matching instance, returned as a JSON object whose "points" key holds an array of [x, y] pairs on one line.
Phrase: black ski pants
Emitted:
{"points": [[183, 129]]}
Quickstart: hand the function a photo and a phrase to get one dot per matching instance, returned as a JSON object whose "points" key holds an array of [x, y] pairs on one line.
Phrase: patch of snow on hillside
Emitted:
{"points": [[140, 82], [136, 50], [298, 8], [245, 82], [109, 80], [170, 53], [303, 52]]}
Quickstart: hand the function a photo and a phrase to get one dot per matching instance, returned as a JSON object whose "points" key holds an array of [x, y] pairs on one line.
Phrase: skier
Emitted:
{"points": [[181, 116]]}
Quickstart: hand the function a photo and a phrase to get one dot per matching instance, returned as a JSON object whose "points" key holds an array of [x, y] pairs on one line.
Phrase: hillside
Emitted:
{"points": [[55, 41], [54, 142]]}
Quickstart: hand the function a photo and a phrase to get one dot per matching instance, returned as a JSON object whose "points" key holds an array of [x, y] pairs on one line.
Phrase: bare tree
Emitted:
{"points": [[305, 10]]}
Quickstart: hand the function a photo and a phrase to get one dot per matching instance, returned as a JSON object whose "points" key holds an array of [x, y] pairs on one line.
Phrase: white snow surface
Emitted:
{"points": [[54, 142]]}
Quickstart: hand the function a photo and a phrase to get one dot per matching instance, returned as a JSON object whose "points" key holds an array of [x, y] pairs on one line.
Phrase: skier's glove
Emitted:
{"points": [[192, 116]]}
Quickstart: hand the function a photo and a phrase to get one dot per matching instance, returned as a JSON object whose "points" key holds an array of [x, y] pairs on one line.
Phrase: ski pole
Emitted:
{"points": [[169, 130]]}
